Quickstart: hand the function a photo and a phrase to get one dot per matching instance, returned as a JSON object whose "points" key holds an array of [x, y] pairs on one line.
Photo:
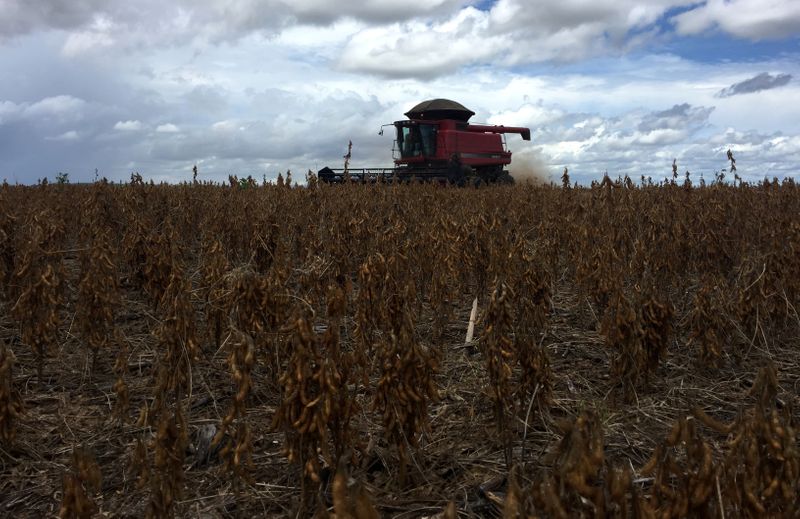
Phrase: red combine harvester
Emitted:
{"points": [[437, 143]]}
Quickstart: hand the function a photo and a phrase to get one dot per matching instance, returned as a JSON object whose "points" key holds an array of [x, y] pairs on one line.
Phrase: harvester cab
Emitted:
{"points": [[437, 143]]}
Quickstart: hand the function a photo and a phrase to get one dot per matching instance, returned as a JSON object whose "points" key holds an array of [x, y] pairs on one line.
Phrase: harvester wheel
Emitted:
{"points": [[505, 178], [457, 173]]}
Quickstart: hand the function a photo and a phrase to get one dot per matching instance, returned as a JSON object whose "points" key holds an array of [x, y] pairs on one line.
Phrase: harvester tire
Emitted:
{"points": [[505, 178]]}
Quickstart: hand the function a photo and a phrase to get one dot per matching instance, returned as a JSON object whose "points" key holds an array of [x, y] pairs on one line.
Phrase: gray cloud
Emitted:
{"points": [[23, 16], [372, 11], [206, 99], [763, 81], [93, 22], [679, 117], [282, 129]]}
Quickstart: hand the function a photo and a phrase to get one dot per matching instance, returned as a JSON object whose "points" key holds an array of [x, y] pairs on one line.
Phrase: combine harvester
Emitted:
{"points": [[438, 144]]}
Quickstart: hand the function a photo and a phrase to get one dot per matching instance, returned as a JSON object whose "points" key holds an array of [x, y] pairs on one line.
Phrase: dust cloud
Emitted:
{"points": [[528, 167]]}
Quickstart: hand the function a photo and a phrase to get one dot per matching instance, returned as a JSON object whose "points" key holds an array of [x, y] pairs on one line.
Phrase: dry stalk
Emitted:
{"points": [[406, 384], [762, 468], [11, 407], [40, 281], [309, 387], [638, 335], [707, 325], [214, 267], [122, 403], [167, 476], [498, 342], [83, 479], [98, 296], [237, 448], [685, 475], [178, 341]]}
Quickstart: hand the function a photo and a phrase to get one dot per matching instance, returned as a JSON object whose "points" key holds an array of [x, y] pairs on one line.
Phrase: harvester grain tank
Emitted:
{"points": [[437, 143]]}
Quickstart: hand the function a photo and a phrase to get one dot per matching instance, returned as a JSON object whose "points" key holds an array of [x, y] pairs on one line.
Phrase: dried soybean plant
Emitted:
{"points": [[122, 403], [579, 460], [11, 407], [762, 467], [655, 315], [370, 312], [214, 266], [406, 385], [178, 340], [350, 501], [707, 324], [444, 283], [622, 332], [166, 475], [317, 405], [98, 295], [7, 248], [753, 291], [83, 479], [638, 336], [134, 248], [535, 384], [533, 302], [574, 485], [237, 447], [346, 365], [160, 258], [497, 343], [309, 386], [255, 304], [594, 270], [39, 279], [685, 474]]}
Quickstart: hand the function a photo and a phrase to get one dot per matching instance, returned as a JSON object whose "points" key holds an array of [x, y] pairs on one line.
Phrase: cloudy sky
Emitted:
{"points": [[261, 86]]}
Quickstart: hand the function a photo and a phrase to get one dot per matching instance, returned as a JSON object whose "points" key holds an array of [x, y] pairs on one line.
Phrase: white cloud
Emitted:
{"points": [[70, 135], [128, 126], [96, 37], [422, 50], [225, 126], [307, 35], [527, 115], [167, 128], [511, 32], [753, 19], [60, 108], [660, 137]]}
